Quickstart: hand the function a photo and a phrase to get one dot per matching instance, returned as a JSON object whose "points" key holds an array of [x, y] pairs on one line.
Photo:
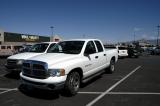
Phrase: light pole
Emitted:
{"points": [[158, 35], [134, 36], [51, 33]]}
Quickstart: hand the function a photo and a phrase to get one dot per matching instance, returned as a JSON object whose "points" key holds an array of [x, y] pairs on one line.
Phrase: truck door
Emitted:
{"points": [[102, 56], [90, 55]]}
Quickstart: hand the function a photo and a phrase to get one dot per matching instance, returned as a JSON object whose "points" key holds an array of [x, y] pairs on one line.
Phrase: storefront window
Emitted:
{"points": [[3, 47]]}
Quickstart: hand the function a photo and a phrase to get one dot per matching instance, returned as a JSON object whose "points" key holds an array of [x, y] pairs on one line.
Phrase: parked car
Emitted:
{"points": [[155, 51], [25, 48], [67, 64], [122, 52], [132, 52], [14, 62]]}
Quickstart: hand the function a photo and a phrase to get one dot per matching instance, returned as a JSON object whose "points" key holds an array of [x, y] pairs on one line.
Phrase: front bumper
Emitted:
{"points": [[51, 83]]}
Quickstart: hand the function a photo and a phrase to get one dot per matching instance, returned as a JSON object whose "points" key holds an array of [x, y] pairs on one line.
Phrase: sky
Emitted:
{"points": [[109, 20]]}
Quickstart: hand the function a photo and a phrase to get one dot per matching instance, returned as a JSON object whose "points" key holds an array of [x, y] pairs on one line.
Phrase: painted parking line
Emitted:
{"points": [[122, 93], [90, 93], [8, 90], [112, 87], [134, 93]]}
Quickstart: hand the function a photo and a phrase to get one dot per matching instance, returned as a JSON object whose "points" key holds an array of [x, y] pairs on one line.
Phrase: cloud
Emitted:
{"points": [[145, 36], [153, 37], [137, 29]]}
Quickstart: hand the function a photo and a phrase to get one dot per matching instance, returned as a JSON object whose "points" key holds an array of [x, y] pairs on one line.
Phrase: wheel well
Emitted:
{"points": [[79, 70], [113, 58]]}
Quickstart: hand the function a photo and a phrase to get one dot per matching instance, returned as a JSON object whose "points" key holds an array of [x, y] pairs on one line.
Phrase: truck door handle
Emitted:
{"points": [[96, 57], [104, 54]]}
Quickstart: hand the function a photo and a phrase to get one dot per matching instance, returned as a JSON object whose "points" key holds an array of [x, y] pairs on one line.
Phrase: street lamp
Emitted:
{"points": [[51, 33], [134, 36]]}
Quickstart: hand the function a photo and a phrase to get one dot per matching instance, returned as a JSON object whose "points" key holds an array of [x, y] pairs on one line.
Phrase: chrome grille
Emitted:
{"points": [[11, 62], [35, 69]]}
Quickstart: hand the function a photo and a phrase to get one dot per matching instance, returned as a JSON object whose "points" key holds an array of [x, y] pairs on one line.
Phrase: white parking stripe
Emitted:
{"points": [[123, 93], [6, 88], [90, 92], [15, 89], [133, 93], [112, 87]]}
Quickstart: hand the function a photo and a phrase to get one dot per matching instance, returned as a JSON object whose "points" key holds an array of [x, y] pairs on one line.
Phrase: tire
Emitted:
{"points": [[111, 68], [72, 83]]}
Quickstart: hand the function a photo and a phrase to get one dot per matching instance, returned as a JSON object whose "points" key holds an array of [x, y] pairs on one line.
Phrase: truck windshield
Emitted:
{"points": [[69, 47], [39, 48]]}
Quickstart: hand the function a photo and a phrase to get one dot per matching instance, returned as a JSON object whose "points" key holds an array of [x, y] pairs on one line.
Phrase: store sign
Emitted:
{"points": [[30, 37]]}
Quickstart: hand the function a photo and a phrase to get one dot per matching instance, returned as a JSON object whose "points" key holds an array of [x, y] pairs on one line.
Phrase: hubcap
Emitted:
{"points": [[112, 67], [74, 81]]}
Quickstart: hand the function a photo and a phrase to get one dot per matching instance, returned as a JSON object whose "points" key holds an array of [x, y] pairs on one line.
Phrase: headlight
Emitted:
{"points": [[20, 62], [56, 72]]}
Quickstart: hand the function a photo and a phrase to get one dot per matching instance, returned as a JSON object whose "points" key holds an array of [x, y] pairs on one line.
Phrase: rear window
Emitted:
{"points": [[122, 48], [109, 47]]}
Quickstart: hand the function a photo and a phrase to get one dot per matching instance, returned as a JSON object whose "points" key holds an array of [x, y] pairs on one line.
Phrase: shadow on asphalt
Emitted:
{"points": [[49, 94], [12, 75], [91, 81], [38, 93]]}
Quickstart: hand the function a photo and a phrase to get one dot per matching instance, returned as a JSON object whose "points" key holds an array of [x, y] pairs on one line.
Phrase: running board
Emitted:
{"points": [[92, 76]]}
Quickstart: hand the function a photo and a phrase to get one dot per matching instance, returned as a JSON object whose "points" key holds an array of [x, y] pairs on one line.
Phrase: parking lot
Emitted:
{"points": [[136, 82]]}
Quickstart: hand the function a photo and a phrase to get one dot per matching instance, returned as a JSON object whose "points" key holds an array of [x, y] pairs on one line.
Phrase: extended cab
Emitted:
{"points": [[14, 62], [67, 64]]}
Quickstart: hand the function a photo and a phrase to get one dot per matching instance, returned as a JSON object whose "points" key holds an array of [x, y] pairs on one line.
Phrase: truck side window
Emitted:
{"points": [[90, 48], [99, 46]]}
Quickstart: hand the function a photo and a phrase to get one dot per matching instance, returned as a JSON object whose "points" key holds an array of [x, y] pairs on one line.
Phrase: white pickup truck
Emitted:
{"points": [[14, 62], [67, 64]]}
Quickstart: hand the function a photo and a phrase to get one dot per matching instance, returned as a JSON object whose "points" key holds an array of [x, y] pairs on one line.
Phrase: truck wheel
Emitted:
{"points": [[111, 68], [72, 83]]}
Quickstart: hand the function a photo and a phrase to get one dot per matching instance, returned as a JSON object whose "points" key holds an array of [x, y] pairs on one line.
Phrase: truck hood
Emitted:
{"points": [[24, 56], [54, 58]]}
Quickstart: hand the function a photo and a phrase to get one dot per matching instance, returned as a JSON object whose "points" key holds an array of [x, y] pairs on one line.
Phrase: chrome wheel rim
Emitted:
{"points": [[74, 81]]}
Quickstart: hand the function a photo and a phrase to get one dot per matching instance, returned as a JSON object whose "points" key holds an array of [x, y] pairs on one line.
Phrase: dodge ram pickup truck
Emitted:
{"points": [[14, 62], [68, 64]]}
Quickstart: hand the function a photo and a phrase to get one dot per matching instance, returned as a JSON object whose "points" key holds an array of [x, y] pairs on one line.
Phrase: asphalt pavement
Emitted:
{"points": [[135, 82]]}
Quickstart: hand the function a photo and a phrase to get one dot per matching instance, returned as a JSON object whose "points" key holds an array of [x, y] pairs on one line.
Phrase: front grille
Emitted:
{"points": [[35, 69], [11, 62], [38, 66]]}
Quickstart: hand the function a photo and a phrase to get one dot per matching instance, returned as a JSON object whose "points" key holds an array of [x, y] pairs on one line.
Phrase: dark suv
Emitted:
{"points": [[156, 51], [132, 52]]}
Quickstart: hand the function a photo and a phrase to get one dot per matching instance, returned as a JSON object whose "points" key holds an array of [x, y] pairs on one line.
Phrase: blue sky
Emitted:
{"points": [[108, 20]]}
